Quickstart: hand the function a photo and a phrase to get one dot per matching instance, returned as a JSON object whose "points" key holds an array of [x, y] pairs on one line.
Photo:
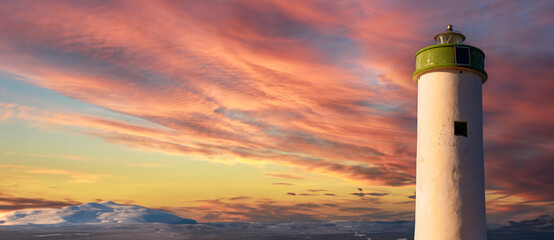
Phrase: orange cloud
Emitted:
{"points": [[146, 165], [283, 175], [76, 177], [12, 166], [261, 209]]}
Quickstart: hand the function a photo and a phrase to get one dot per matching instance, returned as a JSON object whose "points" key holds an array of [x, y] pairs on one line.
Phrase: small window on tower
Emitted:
{"points": [[460, 129], [461, 55]]}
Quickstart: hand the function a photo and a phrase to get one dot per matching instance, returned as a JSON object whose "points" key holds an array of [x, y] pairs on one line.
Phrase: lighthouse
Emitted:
{"points": [[450, 181]]}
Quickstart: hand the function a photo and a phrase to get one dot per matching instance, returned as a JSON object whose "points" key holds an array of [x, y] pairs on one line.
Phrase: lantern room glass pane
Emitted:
{"points": [[462, 55], [450, 38]]}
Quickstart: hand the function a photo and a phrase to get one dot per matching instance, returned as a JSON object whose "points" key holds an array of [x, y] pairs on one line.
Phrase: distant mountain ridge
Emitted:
{"points": [[93, 212]]}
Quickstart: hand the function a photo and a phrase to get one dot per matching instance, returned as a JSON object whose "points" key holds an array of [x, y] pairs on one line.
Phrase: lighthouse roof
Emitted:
{"points": [[450, 53]]}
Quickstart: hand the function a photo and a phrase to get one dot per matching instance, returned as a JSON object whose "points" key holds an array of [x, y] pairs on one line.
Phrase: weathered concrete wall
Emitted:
{"points": [[450, 196]]}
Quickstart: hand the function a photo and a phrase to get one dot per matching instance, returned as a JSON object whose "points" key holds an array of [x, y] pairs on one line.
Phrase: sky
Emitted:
{"points": [[260, 110]]}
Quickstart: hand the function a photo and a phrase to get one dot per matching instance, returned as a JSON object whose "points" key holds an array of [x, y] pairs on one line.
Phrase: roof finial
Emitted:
{"points": [[449, 27]]}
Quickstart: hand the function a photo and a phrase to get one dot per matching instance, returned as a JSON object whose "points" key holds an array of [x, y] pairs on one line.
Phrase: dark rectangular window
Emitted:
{"points": [[460, 129], [461, 54]]}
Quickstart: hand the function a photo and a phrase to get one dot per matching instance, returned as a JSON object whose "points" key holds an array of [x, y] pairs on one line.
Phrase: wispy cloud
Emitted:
{"points": [[11, 203], [267, 113], [7, 110], [70, 157], [284, 184], [262, 209], [75, 177], [317, 190], [283, 175], [12, 166], [146, 165]]}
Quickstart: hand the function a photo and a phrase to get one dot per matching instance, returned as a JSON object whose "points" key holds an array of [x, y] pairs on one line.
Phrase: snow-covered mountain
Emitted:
{"points": [[100, 212]]}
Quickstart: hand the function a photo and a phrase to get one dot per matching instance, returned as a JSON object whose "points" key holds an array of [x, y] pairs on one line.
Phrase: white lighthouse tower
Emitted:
{"points": [[450, 186]]}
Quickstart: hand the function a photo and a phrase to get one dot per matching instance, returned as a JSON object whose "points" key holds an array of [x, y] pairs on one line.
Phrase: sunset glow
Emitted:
{"points": [[259, 110]]}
